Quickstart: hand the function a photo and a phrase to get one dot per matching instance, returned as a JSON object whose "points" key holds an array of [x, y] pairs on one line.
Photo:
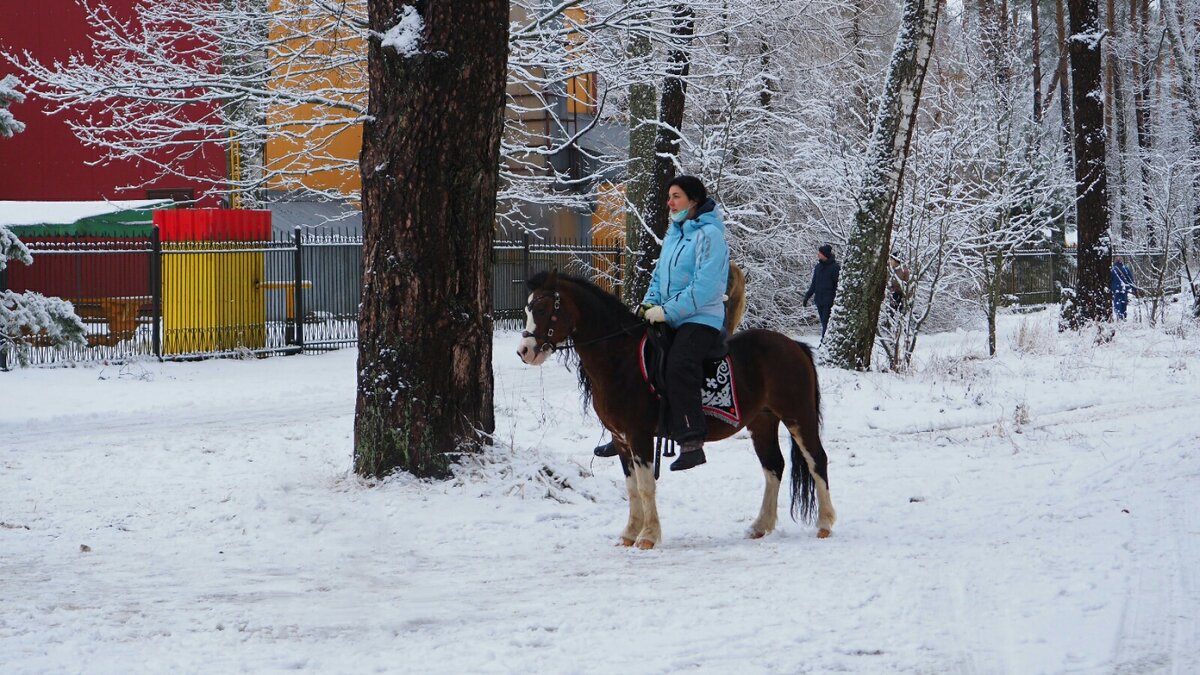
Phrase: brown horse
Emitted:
{"points": [[775, 381]]}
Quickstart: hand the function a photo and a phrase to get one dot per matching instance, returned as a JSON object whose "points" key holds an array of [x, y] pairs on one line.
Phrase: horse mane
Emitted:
{"points": [[597, 304]]}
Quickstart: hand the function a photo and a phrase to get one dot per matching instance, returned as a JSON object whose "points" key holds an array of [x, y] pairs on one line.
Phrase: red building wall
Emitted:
{"points": [[47, 162]]}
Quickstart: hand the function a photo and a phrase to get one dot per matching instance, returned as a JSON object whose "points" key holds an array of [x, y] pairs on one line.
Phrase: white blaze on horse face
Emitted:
{"points": [[527, 348]]}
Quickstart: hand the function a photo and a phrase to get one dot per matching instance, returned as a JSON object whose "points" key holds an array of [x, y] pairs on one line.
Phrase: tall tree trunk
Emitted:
{"points": [[1091, 186], [1115, 112], [643, 113], [665, 148], [1139, 11], [1064, 81], [1036, 42], [245, 117], [1185, 61], [670, 120], [429, 163], [865, 271]]}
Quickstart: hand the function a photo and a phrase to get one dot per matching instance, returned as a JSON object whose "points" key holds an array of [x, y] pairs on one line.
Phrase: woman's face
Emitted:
{"points": [[677, 200]]}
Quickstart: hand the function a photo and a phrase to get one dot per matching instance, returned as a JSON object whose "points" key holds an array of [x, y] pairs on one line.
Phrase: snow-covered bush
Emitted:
{"points": [[28, 319], [32, 319], [9, 124]]}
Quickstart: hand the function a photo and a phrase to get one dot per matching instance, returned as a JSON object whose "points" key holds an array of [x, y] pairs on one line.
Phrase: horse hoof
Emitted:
{"points": [[645, 544], [823, 533], [625, 542], [754, 534]]}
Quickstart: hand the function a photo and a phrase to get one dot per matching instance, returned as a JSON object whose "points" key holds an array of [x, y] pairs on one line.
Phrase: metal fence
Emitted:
{"points": [[178, 300], [173, 300], [1038, 277], [514, 261]]}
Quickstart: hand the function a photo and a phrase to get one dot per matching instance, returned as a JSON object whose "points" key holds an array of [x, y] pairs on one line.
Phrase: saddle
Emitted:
{"points": [[718, 396]]}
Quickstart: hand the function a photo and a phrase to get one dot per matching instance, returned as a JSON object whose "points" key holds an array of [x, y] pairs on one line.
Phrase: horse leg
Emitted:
{"points": [[634, 525], [642, 462], [765, 432], [806, 441]]}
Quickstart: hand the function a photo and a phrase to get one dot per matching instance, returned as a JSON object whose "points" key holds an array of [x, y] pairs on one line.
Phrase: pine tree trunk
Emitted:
{"points": [[855, 317], [1091, 186], [665, 148], [1036, 41], [1139, 11], [1190, 91], [1064, 81], [666, 142], [643, 112], [1115, 113], [429, 167]]}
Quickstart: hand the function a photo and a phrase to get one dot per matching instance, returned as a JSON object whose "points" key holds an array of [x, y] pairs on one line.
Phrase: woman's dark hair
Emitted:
{"points": [[692, 187]]}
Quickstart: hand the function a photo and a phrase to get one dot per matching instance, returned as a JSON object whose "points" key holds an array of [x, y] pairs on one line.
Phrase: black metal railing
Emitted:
{"points": [[514, 261], [186, 299], [1038, 277], [300, 291]]}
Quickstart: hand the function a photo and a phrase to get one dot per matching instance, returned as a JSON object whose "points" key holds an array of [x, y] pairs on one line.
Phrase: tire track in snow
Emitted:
{"points": [[1043, 421], [155, 421], [1158, 630]]}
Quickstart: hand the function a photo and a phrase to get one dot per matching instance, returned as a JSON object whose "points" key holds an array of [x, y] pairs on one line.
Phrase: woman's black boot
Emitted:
{"points": [[691, 454]]}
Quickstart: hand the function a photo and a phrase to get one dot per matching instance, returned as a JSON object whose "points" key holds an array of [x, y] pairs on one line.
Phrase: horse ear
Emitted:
{"points": [[551, 280]]}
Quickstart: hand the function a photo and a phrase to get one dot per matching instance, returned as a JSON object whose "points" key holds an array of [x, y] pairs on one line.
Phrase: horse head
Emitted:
{"points": [[548, 321]]}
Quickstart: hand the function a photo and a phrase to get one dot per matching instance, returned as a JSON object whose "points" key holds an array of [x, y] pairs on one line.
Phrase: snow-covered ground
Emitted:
{"points": [[1034, 513]]}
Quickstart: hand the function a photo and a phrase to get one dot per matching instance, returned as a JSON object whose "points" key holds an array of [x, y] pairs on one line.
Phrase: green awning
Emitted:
{"points": [[31, 220]]}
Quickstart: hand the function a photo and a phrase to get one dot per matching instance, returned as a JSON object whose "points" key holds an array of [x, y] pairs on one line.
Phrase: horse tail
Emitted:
{"points": [[803, 485], [803, 493]]}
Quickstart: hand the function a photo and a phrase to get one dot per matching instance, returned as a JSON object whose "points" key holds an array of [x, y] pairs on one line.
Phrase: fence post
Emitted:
{"points": [[298, 287], [156, 295], [525, 254], [3, 347]]}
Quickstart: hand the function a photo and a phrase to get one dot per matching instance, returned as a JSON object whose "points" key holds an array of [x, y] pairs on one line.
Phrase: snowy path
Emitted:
{"points": [[226, 533]]}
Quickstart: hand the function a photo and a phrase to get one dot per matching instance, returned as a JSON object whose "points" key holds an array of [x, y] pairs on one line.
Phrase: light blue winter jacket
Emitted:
{"points": [[690, 275]]}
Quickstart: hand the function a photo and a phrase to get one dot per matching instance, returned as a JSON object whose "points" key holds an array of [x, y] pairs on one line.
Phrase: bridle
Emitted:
{"points": [[545, 343]]}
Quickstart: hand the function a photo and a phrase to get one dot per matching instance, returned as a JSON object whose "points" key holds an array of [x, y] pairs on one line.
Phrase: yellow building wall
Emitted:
{"points": [[309, 151]]}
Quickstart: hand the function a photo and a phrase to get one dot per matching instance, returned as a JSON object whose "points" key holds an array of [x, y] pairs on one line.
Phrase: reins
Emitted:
{"points": [[627, 330]]}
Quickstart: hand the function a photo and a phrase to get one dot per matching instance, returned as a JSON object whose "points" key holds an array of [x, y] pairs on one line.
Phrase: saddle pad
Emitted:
{"points": [[719, 395]]}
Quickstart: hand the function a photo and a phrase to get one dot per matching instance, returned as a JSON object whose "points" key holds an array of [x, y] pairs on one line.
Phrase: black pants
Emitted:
{"points": [[823, 312], [685, 377]]}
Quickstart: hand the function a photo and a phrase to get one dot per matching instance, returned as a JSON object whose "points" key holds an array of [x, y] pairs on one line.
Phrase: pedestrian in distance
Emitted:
{"points": [[1122, 286], [824, 284], [898, 279]]}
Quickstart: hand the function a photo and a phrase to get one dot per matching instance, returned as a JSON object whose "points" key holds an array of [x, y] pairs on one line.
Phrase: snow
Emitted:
{"points": [[405, 36], [1032, 513], [66, 213]]}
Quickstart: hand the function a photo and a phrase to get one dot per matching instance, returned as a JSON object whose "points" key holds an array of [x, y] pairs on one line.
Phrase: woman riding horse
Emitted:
{"points": [[687, 292]]}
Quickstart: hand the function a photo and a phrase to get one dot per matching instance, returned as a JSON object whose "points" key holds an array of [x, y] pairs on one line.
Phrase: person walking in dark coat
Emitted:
{"points": [[824, 284], [1121, 284]]}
